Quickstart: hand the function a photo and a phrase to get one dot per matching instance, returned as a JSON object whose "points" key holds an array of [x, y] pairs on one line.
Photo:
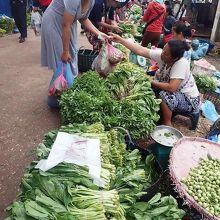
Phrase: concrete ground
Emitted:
{"points": [[24, 114]]}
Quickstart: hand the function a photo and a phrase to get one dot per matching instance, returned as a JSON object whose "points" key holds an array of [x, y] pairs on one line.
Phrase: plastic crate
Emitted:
{"points": [[86, 58]]}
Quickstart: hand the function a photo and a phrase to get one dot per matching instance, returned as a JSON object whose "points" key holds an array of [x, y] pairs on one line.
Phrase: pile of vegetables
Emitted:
{"points": [[128, 28], [125, 99], [203, 184], [6, 25], [205, 83], [135, 13], [67, 191]]}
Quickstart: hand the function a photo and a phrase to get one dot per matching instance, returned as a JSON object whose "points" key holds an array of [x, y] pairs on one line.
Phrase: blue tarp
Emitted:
{"points": [[5, 8]]}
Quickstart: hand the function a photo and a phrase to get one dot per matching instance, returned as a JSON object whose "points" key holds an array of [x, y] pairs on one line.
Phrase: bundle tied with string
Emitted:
{"points": [[186, 155]]}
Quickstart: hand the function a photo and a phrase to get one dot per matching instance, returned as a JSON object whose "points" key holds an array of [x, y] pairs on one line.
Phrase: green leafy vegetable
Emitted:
{"points": [[157, 208], [124, 99], [205, 83]]}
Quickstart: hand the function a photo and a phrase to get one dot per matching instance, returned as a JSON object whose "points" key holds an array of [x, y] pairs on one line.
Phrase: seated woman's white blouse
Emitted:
{"points": [[179, 70]]}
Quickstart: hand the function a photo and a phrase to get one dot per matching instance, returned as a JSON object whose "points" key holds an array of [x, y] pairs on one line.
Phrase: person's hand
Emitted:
{"points": [[116, 38], [117, 28], [103, 37], [66, 57]]}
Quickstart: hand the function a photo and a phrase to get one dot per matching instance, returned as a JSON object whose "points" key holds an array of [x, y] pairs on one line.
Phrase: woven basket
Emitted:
{"points": [[186, 155], [86, 58], [214, 97]]}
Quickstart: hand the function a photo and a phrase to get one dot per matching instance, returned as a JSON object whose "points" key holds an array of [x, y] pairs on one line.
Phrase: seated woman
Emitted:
{"points": [[177, 86]]}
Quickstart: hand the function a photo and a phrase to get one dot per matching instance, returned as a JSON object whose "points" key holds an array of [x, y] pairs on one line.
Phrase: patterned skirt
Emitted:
{"points": [[179, 102]]}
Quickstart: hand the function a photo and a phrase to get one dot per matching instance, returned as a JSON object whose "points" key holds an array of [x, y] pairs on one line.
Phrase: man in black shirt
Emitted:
{"points": [[102, 16], [18, 10]]}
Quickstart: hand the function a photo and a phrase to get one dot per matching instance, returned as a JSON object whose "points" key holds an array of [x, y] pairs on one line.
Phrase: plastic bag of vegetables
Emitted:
{"points": [[114, 55], [107, 59]]}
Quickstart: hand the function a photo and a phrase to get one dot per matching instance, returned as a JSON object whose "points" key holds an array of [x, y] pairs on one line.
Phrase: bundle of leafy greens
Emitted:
{"points": [[112, 146], [158, 208], [205, 83], [6, 25], [128, 28], [124, 99], [135, 14], [134, 177]]}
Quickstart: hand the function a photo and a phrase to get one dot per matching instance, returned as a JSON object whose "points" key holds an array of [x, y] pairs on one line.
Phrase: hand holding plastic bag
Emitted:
{"points": [[61, 80]]}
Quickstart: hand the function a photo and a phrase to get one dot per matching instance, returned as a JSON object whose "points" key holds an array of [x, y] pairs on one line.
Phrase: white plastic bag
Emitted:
{"points": [[36, 20], [72, 148], [101, 63]]}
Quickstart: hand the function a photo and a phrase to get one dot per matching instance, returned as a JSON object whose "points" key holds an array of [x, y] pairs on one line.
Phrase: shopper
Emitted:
{"points": [[176, 85], [154, 17], [102, 17], [59, 31], [18, 10]]}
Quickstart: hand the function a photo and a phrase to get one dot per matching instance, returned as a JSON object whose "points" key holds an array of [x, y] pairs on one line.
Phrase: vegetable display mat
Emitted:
{"points": [[186, 155]]}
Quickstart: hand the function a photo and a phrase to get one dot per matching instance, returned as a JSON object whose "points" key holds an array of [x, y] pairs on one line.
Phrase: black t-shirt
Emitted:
{"points": [[101, 10]]}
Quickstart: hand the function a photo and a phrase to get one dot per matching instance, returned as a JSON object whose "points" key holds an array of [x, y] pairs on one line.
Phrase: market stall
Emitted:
{"points": [[92, 167]]}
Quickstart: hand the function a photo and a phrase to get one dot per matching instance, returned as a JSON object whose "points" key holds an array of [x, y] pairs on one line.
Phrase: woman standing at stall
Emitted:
{"points": [[59, 31], [176, 85]]}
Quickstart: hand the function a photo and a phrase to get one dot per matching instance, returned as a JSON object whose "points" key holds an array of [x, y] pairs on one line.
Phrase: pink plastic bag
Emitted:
{"points": [[59, 84], [114, 55], [101, 63], [107, 59]]}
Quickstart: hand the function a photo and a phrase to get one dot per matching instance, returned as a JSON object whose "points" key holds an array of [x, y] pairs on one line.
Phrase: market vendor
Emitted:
{"points": [[102, 17], [177, 87], [59, 31]]}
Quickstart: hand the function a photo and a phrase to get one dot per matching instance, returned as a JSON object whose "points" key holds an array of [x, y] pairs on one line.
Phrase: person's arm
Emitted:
{"points": [[134, 47], [66, 35], [171, 86], [111, 26], [87, 24]]}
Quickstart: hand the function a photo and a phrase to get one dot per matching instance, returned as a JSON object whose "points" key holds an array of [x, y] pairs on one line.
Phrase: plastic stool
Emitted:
{"points": [[194, 117]]}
